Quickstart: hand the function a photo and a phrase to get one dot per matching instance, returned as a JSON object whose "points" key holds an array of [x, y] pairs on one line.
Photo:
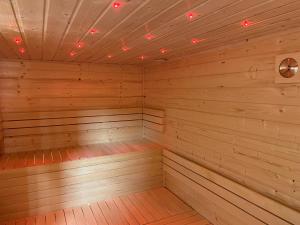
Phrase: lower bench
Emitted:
{"points": [[219, 199], [38, 189]]}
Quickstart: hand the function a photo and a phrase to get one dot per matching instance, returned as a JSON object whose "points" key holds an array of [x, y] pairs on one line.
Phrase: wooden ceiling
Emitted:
{"points": [[52, 29]]}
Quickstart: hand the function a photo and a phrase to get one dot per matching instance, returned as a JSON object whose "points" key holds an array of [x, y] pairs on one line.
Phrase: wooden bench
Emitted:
{"points": [[71, 177], [218, 198], [56, 160]]}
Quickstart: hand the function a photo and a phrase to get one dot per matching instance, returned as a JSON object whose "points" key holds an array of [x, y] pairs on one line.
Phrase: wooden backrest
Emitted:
{"points": [[47, 130], [154, 119], [219, 198], [30, 131]]}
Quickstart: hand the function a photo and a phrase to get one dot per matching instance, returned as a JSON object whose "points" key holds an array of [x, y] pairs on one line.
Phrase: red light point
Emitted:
{"points": [[73, 53], [109, 56], [149, 36], [246, 23], [79, 45], [163, 51], [196, 41], [142, 57], [116, 5], [18, 40], [22, 50], [190, 16], [93, 31], [125, 48]]}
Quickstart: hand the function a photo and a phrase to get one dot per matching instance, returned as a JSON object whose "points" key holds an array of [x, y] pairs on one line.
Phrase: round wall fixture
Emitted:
{"points": [[288, 68]]}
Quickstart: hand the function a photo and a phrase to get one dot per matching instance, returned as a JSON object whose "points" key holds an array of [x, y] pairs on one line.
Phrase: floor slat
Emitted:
{"points": [[153, 207]]}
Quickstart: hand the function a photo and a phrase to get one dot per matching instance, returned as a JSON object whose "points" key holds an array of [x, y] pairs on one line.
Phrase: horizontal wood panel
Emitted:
{"points": [[68, 184], [71, 128], [1, 134], [225, 112], [70, 121], [153, 126], [66, 114], [259, 206], [153, 119], [154, 112], [17, 165], [56, 105], [61, 140]]}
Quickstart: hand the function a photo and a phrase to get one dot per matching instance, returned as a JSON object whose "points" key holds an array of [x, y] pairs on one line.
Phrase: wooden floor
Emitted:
{"points": [[37, 158], [154, 207]]}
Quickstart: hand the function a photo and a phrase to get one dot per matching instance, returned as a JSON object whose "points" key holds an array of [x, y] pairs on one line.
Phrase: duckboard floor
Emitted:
{"points": [[153, 207]]}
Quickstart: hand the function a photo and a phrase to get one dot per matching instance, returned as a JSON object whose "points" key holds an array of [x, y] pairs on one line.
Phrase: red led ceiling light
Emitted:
{"points": [[93, 31], [149, 36], [72, 53], [196, 41], [22, 50], [191, 15], [142, 57], [116, 5], [125, 48], [163, 51], [246, 23], [18, 40], [79, 45]]}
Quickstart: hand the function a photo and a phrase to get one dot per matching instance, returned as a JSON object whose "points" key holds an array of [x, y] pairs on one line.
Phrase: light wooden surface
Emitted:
{"points": [[35, 131], [53, 105], [214, 191], [153, 207], [225, 112], [74, 177], [52, 31], [34, 86], [1, 135], [154, 119], [53, 156]]}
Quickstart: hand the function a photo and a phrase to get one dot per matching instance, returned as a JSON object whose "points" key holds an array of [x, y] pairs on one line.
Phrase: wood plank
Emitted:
{"points": [[256, 199], [66, 114], [110, 212], [153, 119], [68, 184], [154, 112]]}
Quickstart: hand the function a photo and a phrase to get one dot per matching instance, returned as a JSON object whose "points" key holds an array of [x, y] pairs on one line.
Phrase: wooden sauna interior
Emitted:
{"points": [[135, 112]]}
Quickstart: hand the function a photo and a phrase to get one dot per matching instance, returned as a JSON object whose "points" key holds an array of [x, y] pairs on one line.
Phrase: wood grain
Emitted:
{"points": [[76, 176], [260, 207], [225, 112], [58, 105], [55, 28], [1, 135], [120, 210]]}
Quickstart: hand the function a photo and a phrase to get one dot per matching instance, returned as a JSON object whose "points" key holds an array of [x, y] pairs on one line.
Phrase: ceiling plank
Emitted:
{"points": [[209, 27], [9, 31], [30, 17], [50, 29], [119, 37], [57, 15], [83, 19]]}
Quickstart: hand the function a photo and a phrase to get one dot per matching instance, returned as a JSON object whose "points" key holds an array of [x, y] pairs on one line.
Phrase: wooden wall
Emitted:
{"points": [[41, 89], [1, 135], [224, 111]]}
